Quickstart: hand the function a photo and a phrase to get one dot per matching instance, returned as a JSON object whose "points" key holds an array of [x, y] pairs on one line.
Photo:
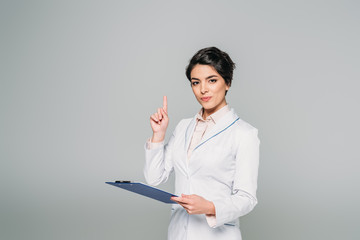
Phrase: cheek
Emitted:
{"points": [[219, 91], [195, 91]]}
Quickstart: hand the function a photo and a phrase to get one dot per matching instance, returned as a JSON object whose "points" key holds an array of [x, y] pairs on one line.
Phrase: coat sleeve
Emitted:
{"points": [[243, 198], [159, 162]]}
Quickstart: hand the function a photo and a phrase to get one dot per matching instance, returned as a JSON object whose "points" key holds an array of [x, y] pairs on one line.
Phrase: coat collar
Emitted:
{"points": [[225, 122], [216, 116]]}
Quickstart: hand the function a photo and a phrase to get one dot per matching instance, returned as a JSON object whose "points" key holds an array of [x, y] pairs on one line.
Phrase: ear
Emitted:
{"points": [[227, 87]]}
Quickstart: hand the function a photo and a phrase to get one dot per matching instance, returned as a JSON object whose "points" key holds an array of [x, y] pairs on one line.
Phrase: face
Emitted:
{"points": [[209, 88]]}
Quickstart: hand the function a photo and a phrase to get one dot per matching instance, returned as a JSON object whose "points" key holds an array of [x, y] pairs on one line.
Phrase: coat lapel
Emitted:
{"points": [[229, 119], [188, 133]]}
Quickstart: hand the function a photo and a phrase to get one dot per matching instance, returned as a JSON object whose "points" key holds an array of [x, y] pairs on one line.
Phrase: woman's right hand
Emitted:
{"points": [[159, 122]]}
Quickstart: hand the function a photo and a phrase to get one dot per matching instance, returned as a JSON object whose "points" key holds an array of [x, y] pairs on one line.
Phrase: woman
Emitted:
{"points": [[215, 156]]}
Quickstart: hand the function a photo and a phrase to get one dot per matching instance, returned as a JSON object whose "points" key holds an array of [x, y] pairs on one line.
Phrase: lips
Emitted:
{"points": [[205, 99]]}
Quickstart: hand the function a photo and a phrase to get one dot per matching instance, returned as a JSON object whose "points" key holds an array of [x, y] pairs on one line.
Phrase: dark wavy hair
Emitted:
{"points": [[213, 56]]}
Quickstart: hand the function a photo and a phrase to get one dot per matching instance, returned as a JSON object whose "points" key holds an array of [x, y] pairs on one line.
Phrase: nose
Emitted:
{"points": [[204, 88]]}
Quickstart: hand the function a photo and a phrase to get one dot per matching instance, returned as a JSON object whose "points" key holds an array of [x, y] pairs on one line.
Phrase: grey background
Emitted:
{"points": [[79, 80]]}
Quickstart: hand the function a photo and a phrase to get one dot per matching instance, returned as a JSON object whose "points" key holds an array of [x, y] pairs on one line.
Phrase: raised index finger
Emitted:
{"points": [[165, 103]]}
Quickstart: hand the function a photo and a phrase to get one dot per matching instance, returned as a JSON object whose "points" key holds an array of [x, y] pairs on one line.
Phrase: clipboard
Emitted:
{"points": [[145, 190]]}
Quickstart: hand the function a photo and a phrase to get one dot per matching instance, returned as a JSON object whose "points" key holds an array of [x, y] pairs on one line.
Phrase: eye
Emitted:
{"points": [[193, 83], [212, 80]]}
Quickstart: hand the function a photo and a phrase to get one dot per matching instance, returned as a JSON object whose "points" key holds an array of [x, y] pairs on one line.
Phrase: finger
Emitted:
{"points": [[181, 201], [185, 201], [159, 113], [164, 114], [178, 202], [165, 103], [174, 198], [157, 116], [177, 199], [185, 196], [153, 117], [185, 206]]}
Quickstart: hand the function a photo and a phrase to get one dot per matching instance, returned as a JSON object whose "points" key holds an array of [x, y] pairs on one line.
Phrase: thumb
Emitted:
{"points": [[164, 113]]}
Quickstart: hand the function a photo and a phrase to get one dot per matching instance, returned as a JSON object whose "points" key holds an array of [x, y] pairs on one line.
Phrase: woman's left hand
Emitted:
{"points": [[195, 204]]}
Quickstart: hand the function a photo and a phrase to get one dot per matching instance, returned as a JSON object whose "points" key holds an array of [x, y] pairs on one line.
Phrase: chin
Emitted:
{"points": [[207, 107]]}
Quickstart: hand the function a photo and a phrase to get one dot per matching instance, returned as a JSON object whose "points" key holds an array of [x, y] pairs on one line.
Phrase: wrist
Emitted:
{"points": [[157, 137], [211, 209]]}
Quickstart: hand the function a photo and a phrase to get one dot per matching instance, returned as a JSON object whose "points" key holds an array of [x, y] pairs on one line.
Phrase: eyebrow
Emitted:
{"points": [[211, 76]]}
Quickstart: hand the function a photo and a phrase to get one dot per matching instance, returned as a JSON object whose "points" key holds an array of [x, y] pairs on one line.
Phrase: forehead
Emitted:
{"points": [[203, 71]]}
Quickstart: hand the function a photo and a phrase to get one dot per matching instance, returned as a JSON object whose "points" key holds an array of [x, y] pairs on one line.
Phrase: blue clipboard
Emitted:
{"points": [[145, 190]]}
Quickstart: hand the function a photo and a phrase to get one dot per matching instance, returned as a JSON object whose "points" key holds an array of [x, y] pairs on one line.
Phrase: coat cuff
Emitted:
{"points": [[211, 220], [152, 145]]}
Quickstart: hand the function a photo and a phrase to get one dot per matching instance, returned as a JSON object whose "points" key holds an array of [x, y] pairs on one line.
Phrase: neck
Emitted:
{"points": [[208, 112]]}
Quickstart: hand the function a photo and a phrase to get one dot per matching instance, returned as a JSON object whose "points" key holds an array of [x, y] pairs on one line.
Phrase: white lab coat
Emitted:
{"points": [[223, 168]]}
